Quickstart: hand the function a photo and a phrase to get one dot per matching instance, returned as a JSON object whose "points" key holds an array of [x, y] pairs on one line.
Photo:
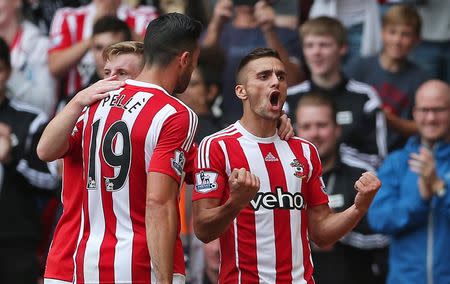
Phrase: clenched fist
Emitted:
{"points": [[367, 186], [243, 187]]}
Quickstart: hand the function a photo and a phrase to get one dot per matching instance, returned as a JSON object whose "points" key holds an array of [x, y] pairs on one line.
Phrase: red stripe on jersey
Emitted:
{"points": [[107, 248], [81, 250], [229, 272], [247, 251], [140, 259], [296, 148], [307, 264], [116, 223], [282, 217], [203, 162], [60, 264], [86, 228]]}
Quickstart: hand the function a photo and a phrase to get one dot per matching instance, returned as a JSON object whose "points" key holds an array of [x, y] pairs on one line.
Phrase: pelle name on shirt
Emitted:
{"points": [[117, 100]]}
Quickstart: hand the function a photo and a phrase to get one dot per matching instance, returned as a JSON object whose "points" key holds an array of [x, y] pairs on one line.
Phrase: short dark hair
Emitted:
{"points": [[257, 53], [168, 36], [4, 52], [112, 24], [315, 98]]}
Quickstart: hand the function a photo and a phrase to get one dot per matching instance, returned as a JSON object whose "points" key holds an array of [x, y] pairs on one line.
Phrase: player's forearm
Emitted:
{"points": [[54, 141], [211, 223], [336, 225], [161, 221], [60, 61]]}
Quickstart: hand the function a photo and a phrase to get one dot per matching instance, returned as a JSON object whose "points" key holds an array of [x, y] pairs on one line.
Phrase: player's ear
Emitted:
{"points": [[240, 92], [184, 58]]}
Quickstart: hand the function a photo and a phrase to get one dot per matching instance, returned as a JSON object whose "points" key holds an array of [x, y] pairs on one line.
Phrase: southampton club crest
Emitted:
{"points": [[298, 168]]}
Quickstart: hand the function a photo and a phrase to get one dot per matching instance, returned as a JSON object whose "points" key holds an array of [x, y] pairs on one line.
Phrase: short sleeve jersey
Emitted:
{"points": [[73, 25], [60, 264], [268, 241], [137, 129]]}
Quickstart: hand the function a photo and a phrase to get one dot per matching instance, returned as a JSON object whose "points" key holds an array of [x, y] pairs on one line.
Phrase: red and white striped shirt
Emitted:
{"points": [[137, 129], [72, 25], [60, 264], [268, 241]]}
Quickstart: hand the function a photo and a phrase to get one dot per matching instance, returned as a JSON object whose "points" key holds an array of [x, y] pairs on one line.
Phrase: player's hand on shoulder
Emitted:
{"points": [[97, 91], [367, 186], [243, 187], [285, 129]]}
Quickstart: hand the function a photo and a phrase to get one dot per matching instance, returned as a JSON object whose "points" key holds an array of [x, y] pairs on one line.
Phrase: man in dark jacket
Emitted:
{"points": [[360, 256]]}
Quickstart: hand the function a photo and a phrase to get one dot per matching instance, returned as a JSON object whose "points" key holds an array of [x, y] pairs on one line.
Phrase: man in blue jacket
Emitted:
{"points": [[413, 206]]}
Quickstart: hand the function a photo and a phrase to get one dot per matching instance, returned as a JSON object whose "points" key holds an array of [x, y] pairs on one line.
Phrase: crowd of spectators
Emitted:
{"points": [[368, 84]]}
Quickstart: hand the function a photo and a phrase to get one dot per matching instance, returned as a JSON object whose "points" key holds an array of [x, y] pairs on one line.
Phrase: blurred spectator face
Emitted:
{"points": [[99, 43], [322, 54], [432, 111], [8, 10], [315, 124], [125, 66], [4, 75], [398, 40], [264, 87], [197, 92]]}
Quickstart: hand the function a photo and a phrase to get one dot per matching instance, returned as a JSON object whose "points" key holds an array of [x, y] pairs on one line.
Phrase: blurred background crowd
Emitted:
{"points": [[368, 79]]}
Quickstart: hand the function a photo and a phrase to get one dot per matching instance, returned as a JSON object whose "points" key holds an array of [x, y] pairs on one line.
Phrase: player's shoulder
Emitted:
{"points": [[228, 133], [307, 148], [300, 141]]}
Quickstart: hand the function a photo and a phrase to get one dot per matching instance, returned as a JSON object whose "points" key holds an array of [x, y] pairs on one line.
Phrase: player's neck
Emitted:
{"points": [[259, 127], [162, 77], [9, 30]]}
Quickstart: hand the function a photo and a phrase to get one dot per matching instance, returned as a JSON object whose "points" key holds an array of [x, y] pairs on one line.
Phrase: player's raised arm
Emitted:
{"points": [[326, 227], [55, 139]]}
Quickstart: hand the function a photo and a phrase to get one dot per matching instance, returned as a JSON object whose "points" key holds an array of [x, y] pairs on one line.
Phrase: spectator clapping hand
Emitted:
{"points": [[424, 165]]}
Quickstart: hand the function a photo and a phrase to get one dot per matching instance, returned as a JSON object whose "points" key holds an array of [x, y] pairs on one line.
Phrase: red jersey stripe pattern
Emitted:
{"points": [[135, 130], [268, 241]]}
